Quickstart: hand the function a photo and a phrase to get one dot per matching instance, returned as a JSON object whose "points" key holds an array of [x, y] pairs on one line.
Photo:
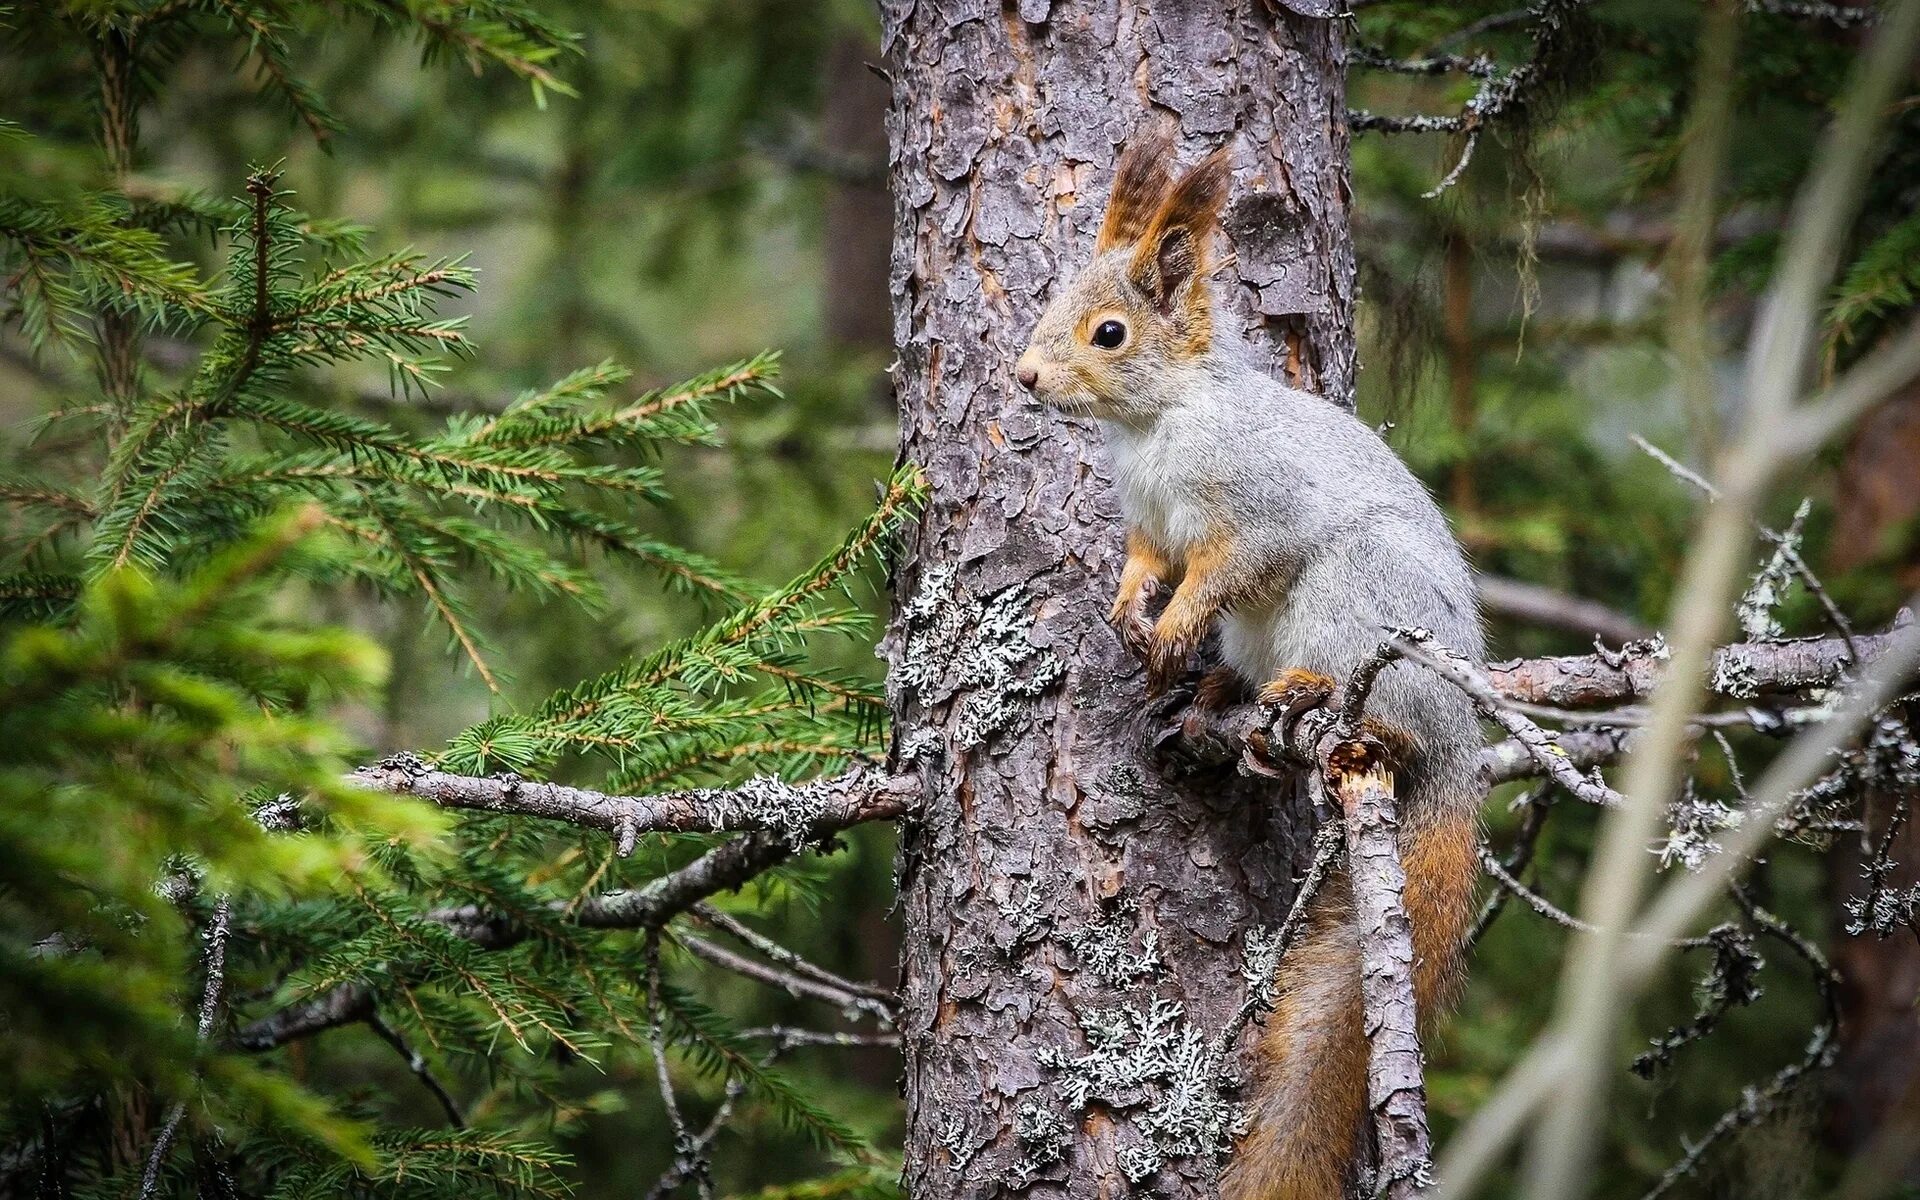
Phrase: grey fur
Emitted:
{"points": [[1344, 540]]}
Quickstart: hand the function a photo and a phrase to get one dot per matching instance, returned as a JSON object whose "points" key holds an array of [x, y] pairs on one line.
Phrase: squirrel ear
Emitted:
{"points": [[1139, 185], [1173, 250]]}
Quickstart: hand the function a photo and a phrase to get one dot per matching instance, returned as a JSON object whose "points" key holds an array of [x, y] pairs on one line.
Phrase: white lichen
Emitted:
{"points": [[980, 649], [1043, 1135], [918, 745], [1106, 947], [1693, 823], [1734, 674], [764, 802], [1260, 962], [1158, 1065], [953, 1139], [1772, 583], [1024, 916]]}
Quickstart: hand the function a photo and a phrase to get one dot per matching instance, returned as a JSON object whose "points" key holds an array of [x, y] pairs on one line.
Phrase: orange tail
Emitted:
{"points": [[1312, 1089]]}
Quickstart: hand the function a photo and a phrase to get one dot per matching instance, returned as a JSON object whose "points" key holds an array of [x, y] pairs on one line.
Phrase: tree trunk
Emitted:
{"points": [[1075, 922]]}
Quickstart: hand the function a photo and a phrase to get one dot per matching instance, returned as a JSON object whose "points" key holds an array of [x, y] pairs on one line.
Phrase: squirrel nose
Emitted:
{"points": [[1028, 376]]}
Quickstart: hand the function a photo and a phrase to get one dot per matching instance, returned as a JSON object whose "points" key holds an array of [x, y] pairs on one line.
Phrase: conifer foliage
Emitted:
{"points": [[188, 882]]}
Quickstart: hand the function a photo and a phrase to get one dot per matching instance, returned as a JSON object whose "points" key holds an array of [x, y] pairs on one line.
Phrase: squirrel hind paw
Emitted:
{"points": [[1298, 690], [1219, 689]]}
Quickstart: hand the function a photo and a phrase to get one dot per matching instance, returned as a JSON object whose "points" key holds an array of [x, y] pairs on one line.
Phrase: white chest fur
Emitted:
{"points": [[1155, 495]]}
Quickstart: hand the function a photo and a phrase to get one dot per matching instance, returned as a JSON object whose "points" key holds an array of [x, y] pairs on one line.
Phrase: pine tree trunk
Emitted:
{"points": [[1074, 921]]}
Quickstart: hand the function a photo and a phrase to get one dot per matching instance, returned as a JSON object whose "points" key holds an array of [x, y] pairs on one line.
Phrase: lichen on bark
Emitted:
{"points": [[1066, 903]]}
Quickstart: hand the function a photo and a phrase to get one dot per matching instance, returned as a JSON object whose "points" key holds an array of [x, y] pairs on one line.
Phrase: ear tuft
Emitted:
{"points": [[1172, 251], [1140, 183]]}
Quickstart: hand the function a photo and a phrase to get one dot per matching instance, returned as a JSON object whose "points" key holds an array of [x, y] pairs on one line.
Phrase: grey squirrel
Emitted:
{"points": [[1291, 522]]}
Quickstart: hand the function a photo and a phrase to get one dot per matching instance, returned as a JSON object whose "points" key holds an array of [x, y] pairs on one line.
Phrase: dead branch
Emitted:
{"points": [[802, 812], [648, 908], [1747, 671], [791, 982], [214, 962], [709, 915], [417, 1063], [1741, 671], [1537, 605], [1501, 96], [1417, 646], [1396, 1085]]}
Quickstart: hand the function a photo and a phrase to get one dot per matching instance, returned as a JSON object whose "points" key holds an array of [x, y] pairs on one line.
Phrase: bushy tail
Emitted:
{"points": [[1312, 1089]]}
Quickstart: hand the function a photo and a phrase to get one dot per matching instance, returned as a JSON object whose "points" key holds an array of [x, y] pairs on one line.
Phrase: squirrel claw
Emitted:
{"points": [[1295, 693], [1255, 758], [1166, 663], [1217, 690], [1129, 618]]}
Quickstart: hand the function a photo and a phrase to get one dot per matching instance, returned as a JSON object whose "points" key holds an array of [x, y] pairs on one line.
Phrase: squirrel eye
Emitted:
{"points": [[1109, 335]]}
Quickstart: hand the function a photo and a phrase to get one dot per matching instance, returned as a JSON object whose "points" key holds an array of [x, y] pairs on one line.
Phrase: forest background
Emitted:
{"points": [[674, 185]]}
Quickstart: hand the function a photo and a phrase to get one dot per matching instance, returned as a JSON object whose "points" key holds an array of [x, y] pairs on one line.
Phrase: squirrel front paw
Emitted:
{"points": [[1168, 654], [1129, 616], [1296, 692]]}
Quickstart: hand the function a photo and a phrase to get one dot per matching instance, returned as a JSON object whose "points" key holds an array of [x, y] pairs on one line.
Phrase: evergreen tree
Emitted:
{"points": [[192, 881]]}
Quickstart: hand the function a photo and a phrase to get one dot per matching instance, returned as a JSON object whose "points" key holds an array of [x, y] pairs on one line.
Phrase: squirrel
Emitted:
{"points": [[1290, 521]]}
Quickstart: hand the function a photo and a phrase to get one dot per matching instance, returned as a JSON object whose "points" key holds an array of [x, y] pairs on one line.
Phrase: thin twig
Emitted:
{"points": [[774, 950], [687, 1151], [1553, 912], [1420, 646], [1822, 1047], [1534, 806], [418, 1064], [791, 982], [1328, 845], [787, 1035], [214, 962], [1785, 544]]}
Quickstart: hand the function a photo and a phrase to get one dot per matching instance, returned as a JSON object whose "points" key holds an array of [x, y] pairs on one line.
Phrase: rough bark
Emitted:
{"points": [[1396, 1077], [1074, 922]]}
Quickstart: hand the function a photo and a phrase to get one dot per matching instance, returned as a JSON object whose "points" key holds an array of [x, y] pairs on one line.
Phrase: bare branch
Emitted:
{"points": [[725, 867], [780, 954], [417, 1063], [1740, 671], [689, 1152], [1457, 670], [1534, 806], [791, 982], [1510, 884], [802, 812], [1846, 16], [1396, 1084], [1537, 605], [1500, 96], [1510, 761], [214, 959], [1756, 1103], [1264, 954], [1744, 670]]}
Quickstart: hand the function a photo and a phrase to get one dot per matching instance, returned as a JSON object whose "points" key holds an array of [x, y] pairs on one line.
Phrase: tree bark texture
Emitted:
{"points": [[1076, 925], [1396, 1077]]}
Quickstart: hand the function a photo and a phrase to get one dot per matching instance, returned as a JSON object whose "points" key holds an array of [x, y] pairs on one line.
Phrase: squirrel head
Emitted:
{"points": [[1142, 305]]}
